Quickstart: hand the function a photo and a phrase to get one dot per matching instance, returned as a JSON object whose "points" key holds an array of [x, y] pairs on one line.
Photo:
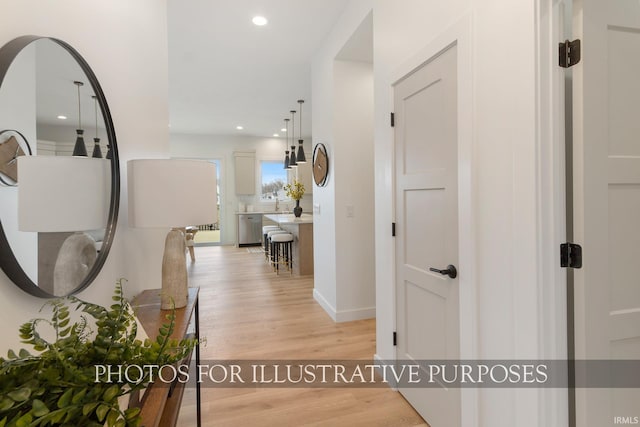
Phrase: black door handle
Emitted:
{"points": [[449, 271]]}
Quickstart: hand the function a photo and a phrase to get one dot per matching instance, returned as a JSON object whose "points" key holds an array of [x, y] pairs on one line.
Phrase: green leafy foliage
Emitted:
{"points": [[59, 384]]}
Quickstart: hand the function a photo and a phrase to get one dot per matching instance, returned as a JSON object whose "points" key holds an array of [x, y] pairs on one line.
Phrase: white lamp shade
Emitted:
{"points": [[63, 193], [171, 193]]}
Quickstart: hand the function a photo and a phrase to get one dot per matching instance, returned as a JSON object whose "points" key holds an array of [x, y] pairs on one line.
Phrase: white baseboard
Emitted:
{"points": [[324, 304], [344, 315], [391, 381], [356, 314]]}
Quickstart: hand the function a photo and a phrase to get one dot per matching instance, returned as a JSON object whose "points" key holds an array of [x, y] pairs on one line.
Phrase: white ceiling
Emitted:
{"points": [[224, 71], [56, 94]]}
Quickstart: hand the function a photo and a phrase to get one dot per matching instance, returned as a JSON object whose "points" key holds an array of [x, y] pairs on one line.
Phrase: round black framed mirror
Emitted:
{"points": [[42, 102]]}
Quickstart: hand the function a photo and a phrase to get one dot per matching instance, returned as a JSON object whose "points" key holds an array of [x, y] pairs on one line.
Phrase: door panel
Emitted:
{"points": [[424, 213], [624, 90], [424, 333], [423, 117], [624, 213], [607, 198], [427, 227]]}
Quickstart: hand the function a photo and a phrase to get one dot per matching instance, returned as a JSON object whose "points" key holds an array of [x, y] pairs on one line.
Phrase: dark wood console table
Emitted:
{"points": [[161, 402]]}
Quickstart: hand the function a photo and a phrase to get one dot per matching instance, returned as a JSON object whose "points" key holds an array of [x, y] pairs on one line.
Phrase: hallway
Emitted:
{"points": [[247, 312]]}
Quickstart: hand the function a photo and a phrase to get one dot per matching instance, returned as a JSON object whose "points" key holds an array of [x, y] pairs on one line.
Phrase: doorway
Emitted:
{"points": [[210, 234]]}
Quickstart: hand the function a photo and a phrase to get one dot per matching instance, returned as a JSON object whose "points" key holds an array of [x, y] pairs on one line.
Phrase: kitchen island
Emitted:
{"points": [[302, 230]]}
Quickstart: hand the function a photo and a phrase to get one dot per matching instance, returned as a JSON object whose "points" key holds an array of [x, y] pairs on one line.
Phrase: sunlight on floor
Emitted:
{"points": [[207, 236]]}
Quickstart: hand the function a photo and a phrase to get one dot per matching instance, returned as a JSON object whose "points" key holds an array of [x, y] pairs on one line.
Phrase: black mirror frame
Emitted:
{"points": [[8, 261]]}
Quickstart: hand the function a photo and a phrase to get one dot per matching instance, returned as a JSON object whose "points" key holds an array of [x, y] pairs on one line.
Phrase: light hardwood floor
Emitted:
{"points": [[247, 312]]}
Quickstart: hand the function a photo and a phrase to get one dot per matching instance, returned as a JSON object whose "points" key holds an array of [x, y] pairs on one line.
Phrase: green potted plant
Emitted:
{"points": [[295, 191], [58, 384]]}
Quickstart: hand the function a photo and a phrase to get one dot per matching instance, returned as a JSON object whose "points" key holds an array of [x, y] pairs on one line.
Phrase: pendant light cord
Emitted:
{"points": [[300, 129], [95, 98], [293, 127], [286, 135], [79, 149], [301, 158], [293, 159], [79, 109]]}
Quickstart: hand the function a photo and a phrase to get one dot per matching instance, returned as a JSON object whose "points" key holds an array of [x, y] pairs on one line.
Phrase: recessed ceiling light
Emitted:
{"points": [[259, 21], [276, 135], [239, 127], [61, 117], [283, 130]]}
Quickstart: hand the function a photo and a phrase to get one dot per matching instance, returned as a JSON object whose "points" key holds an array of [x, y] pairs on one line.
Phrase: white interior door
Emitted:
{"points": [[607, 199], [427, 227]]}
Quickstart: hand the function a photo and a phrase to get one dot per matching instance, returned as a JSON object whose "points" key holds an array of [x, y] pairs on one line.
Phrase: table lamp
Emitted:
{"points": [[172, 193], [65, 194]]}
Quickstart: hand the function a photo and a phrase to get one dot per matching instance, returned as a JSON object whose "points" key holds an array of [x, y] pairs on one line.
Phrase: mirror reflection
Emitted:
{"points": [[47, 103]]}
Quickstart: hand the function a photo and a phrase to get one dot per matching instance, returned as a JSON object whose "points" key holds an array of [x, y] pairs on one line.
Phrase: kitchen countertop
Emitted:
{"points": [[289, 218]]}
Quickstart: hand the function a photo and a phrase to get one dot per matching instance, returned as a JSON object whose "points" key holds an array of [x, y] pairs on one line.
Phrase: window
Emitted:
{"points": [[273, 178]]}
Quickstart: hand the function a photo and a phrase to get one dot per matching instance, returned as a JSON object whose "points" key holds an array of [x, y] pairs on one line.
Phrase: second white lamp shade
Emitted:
{"points": [[171, 193]]}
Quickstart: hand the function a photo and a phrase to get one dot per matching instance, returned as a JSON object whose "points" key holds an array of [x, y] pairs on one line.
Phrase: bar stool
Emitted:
{"points": [[269, 253], [265, 243], [282, 251]]}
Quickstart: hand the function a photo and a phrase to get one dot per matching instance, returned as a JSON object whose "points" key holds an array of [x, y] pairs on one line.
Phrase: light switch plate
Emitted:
{"points": [[316, 208]]}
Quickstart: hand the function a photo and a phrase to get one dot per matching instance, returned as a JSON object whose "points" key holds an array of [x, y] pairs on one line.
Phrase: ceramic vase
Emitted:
{"points": [[297, 211]]}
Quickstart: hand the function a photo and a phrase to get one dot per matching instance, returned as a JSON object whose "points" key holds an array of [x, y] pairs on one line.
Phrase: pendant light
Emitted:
{"points": [[286, 144], [109, 155], [292, 159], [97, 152], [300, 158], [79, 149]]}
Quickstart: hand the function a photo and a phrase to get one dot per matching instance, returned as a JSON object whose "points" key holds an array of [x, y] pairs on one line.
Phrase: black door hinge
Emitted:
{"points": [[569, 53], [395, 338], [393, 119], [570, 255], [393, 229]]}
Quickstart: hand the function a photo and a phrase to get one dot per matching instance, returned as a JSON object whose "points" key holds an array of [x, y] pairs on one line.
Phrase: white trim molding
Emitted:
{"points": [[344, 315], [331, 311], [551, 188]]}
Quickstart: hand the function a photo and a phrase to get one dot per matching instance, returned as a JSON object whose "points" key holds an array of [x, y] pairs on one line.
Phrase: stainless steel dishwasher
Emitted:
{"points": [[249, 229]]}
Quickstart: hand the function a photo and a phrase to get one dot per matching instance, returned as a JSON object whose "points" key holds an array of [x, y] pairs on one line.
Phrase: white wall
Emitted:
{"points": [[343, 121], [125, 44], [324, 222], [353, 133], [222, 147]]}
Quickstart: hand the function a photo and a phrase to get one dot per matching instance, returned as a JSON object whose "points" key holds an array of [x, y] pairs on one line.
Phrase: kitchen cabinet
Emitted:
{"points": [[245, 172]]}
